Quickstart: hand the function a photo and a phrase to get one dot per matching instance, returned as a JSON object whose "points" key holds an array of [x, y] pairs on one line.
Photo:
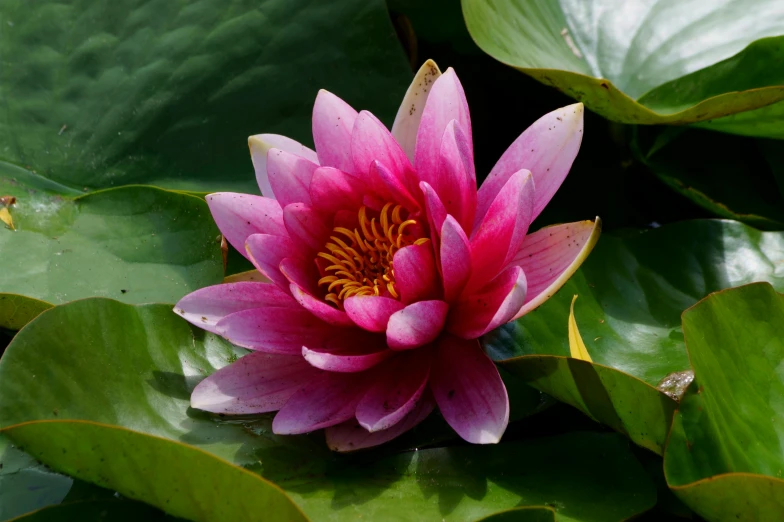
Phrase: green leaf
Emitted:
{"points": [[26, 485], [98, 510], [632, 291], [736, 184], [132, 369], [135, 244], [30, 491], [526, 514], [18, 310], [166, 92], [724, 455], [162, 472], [644, 62]]}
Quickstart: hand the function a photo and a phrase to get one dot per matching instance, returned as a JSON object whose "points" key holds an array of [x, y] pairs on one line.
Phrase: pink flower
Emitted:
{"points": [[386, 266]]}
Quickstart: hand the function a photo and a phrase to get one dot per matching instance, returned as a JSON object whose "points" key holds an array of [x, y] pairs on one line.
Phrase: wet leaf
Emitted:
{"points": [[132, 369], [724, 458], [647, 62]]}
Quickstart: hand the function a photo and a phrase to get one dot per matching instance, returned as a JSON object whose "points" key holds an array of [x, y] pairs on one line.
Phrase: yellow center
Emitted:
{"points": [[362, 259]]}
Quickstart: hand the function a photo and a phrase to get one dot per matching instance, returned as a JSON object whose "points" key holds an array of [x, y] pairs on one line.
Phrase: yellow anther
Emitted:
{"points": [[361, 260]]}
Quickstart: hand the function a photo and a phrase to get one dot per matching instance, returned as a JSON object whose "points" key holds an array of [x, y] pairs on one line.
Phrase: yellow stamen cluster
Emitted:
{"points": [[362, 259]]}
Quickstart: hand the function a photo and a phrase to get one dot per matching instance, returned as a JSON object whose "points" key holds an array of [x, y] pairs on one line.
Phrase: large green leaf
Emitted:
{"points": [[724, 457], [132, 368], [632, 291], [135, 244], [644, 61], [166, 92], [736, 182]]}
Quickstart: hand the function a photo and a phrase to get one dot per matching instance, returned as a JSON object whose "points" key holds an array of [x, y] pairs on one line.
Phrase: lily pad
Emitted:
{"points": [[724, 457], [126, 372], [135, 244], [645, 62], [167, 92], [737, 183], [632, 291]]}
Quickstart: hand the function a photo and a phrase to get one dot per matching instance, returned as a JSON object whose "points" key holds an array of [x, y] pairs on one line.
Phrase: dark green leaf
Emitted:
{"points": [[135, 366], [26, 485], [166, 92], [645, 62], [18, 310], [98, 511], [727, 175], [724, 457]]}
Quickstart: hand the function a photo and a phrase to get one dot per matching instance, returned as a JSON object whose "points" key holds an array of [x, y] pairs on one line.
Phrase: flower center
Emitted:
{"points": [[362, 259]]}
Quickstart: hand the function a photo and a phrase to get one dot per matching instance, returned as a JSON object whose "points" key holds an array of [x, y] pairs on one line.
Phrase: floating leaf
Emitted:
{"points": [[167, 92], [121, 376], [724, 457], [135, 244], [737, 183], [646, 62], [632, 292]]}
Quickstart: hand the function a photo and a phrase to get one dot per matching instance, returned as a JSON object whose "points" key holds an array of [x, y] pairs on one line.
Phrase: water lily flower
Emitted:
{"points": [[386, 266]]}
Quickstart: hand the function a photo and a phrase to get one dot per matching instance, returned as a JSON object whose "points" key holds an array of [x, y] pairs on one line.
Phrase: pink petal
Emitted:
{"points": [[279, 330], [455, 258], [255, 383], [456, 183], [445, 103], [396, 391], [350, 436], [241, 215], [500, 234], [333, 123], [551, 255], [206, 306], [332, 190], [356, 354], [306, 228], [436, 212], [496, 304], [301, 272], [390, 188], [370, 142], [289, 175], [416, 325], [416, 277], [260, 144], [547, 148], [469, 391], [319, 308], [329, 400], [371, 312], [266, 252], [410, 112]]}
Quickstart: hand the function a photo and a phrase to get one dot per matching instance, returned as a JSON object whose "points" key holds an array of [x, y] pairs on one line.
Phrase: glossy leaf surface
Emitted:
{"points": [[724, 454], [137, 375], [167, 92], [639, 61]]}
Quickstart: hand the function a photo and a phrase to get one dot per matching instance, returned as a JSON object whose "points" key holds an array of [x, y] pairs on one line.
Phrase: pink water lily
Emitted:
{"points": [[386, 266]]}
